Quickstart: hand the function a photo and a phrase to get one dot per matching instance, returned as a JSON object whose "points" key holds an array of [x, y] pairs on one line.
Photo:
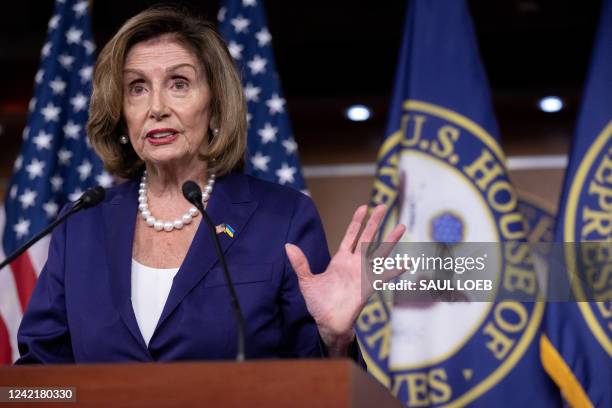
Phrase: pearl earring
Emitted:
{"points": [[215, 132], [123, 139]]}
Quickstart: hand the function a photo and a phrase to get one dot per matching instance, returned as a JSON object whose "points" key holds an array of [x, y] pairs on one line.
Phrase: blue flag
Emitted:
{"points": [[271, 149], [55, 163], [577, 345], [442, 172], [539, 217]]}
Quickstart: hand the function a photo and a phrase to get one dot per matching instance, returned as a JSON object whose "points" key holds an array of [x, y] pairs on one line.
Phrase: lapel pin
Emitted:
{"points": [[225, 228]]}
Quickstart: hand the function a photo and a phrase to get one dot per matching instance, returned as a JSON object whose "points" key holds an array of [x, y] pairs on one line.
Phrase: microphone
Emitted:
{"points": [[88, 199], [193, 194], [91, 197]]}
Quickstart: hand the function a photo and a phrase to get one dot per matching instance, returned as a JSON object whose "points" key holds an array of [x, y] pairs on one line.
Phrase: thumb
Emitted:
{"points": [[298, 261]]}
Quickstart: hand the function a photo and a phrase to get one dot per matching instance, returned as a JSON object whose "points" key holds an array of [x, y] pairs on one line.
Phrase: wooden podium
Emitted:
{"points": [[280, 383]]}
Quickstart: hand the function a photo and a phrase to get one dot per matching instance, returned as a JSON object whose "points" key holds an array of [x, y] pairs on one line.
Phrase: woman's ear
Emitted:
{"points": [[214, 123], [122, 127]]}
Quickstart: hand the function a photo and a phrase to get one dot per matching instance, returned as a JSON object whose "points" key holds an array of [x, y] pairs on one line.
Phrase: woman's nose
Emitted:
{"points": [[159, 108]]}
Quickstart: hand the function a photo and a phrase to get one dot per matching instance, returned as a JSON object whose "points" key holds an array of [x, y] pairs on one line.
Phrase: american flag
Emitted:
{"points": [[272, 152], [55, 164]]}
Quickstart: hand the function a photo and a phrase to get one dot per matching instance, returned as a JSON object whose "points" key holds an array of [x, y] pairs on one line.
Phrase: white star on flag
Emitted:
{"points": [[27, 199], [104, 179], [64, 156], [22, 228], [85, 73], [260, 162], [247, 3], [221, 14], [51, 208], [276, 104], [240, 24], [235, 50], [89, 46], [46, 49], [57, 86], [268, 133], [35, 168], [32, 104], [251, 93], [54, 22], [39, 76], [73, 35], [79, 102], [56, 183], [66, 61], [289, 145], [18, 163], [80, 8], [263, 37], [42, 140], [72, 130], [75, 195], [257, 65], [51, 112], [84, 170], [286, 174], [26, 132], [13, 192]]}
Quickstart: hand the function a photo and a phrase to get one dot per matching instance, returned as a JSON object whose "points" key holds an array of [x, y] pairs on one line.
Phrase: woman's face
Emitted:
{"points": [[166, 102]]}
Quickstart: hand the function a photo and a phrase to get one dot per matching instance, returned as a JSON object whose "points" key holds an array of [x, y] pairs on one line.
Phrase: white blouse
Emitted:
{"points": [[150, 289]]}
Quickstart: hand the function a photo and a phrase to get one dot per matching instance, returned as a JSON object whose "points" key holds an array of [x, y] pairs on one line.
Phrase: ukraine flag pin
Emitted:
{"points": [[229, 230], [225, 228]]}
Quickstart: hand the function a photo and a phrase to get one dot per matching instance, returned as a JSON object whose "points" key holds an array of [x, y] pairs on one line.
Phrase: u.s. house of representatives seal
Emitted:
{"points": [[588, 217], [446, 177]]}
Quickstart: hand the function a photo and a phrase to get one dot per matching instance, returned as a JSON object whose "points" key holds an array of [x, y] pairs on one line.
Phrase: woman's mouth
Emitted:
{"points": [[158, 137]]}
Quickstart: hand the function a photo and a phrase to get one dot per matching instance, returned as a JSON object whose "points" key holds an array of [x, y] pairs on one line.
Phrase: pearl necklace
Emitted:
{"points": [[168, 226]]}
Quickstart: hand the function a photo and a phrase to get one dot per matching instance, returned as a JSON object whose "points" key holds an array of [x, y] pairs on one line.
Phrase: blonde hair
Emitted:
{"points": [[225, 151]]}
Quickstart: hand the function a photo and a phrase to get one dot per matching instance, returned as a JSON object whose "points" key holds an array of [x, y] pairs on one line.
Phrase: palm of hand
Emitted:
{"points": [[335, 297]]}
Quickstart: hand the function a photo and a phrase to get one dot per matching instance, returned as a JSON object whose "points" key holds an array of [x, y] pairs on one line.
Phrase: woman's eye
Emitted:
{"points": [[136, 89], [180, 85]]}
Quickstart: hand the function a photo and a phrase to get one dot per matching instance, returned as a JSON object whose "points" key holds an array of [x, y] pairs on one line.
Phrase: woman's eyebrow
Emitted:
{"points": [[177, 66], [169, 69], [132, 71]]}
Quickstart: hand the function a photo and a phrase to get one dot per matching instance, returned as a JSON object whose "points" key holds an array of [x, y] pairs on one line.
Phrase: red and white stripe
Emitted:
{"points": [[16, 285]]}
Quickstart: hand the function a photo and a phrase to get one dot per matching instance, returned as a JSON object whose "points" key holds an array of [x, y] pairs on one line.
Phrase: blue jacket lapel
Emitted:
{"points": [[119, 223], [230, 203]]}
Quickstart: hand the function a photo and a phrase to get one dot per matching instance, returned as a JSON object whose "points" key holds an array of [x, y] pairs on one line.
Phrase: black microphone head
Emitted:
{"points": [[192, 192], [93, 197]]}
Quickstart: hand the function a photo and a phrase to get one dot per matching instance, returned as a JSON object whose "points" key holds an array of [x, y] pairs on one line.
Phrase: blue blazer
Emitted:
{"points": [[81, 309]]}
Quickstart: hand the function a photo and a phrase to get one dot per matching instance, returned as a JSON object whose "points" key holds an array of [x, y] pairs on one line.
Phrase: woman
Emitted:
{"points": [[136, 278]]}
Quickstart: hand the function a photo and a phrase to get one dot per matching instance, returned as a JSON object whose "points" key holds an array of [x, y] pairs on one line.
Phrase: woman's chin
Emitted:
{"points": [[166, 158]]}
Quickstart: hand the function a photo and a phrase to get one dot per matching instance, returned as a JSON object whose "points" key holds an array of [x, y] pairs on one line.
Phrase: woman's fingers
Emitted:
{"points": [[350, 236], [371, 227], [391, 239], [298, 261], [395, 234]]}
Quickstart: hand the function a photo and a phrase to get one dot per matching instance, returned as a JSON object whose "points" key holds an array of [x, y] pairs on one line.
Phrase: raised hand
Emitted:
{"points": [[335, 297]]}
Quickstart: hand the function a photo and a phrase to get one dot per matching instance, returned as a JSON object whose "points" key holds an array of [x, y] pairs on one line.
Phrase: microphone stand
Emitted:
{"points": [[194, 196], [89, 199], [36, 238]]}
